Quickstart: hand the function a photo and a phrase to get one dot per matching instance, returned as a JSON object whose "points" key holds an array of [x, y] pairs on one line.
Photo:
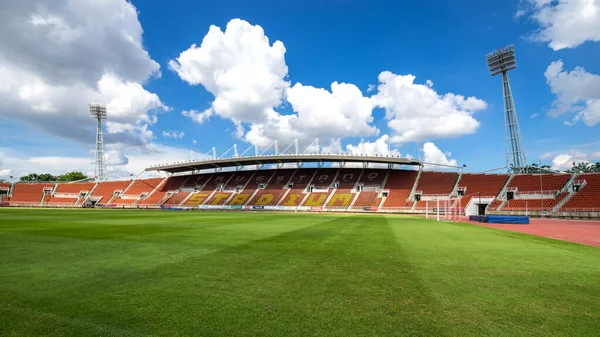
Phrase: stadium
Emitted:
{"points": [[295, 239]]}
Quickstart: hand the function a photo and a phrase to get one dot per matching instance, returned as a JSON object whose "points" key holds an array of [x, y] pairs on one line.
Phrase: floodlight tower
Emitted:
{"points": [[98, 111], [500, 62]]}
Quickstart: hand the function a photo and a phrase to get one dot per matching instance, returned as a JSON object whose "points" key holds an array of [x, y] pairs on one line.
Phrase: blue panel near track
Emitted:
{"points": [[508, 219], [480, 218]]}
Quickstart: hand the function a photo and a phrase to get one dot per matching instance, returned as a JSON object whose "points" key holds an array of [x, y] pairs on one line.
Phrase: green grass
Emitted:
{"points": [[137, 273]]}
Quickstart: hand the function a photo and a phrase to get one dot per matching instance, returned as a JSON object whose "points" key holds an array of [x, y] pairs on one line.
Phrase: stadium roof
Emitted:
{"points": [[279, 159]]}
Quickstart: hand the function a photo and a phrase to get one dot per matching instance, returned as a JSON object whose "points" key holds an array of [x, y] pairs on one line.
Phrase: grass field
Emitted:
{"points": [[138, 273]]}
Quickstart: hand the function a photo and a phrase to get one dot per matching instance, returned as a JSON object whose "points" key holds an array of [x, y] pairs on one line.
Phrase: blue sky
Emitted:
{"points": [[148, 82]]}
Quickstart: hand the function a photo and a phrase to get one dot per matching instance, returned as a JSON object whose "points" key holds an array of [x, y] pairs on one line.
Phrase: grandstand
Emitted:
{"points": [[340, 188]]}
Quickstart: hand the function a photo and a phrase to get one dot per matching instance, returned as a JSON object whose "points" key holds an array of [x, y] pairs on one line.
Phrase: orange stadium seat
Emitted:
{"points": [[24, 193], [373, 177], [253, 181], [436, 183], [400, 184], [216, 179], [366, 199], [196, 181], [176, 198], [169, 184], [321, 180], [132, 194], [68, 193], [106, 190], [535, 183], [197, 198], [219, 198], [300, 179], [341, 198], [494, 205], [484, 185], [271, 195], [347, 179], [588, 198], [75, 188]]}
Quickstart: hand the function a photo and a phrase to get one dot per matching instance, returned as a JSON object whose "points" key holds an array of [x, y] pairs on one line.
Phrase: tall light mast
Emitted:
{"points": [[98, 112], [501, 61]]}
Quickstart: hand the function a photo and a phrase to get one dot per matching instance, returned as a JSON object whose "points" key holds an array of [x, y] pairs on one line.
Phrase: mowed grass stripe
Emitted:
{"points": [[285, 274]]}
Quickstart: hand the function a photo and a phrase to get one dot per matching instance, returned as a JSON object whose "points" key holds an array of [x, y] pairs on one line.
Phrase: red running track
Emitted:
{"points": [[586, 232]]}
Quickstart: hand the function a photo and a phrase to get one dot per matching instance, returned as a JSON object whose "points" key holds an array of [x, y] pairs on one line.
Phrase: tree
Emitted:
{"points": [[72, 176], [46, 177], [30, 177], [535, 168], [38, 177], [585, 167]]}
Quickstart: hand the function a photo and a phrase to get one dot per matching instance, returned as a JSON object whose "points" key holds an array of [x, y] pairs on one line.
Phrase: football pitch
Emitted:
{"points": [[169, 273]]}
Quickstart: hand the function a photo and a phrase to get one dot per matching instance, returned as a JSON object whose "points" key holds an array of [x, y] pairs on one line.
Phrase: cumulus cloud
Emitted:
{"points": [[5, 173], [61, 55], [563, 23], [416, 112], [433, 156], [199, 117], [576, 91], [248, 77], [240, 67], [564, 161], [114, 156], [173, 134], [319, 113]]}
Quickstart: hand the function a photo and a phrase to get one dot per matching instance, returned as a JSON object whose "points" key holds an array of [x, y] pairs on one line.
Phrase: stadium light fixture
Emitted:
{"points": [[98, 111], [501, 61]]}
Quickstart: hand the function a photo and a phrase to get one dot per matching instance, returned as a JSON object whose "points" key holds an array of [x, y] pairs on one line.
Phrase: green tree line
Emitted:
{"points": [[70, 176], [585, 167]]}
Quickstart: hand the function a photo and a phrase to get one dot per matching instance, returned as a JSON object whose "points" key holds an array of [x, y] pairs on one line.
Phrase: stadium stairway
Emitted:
{"points": [[569, 189]]}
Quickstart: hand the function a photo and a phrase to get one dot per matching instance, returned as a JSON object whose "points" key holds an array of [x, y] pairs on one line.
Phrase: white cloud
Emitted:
{"points": [[576, 91], [596, 155], [416, 112], [546, 155], [563, 162], [61, 55], [378, 147], [534, 115], [341, 112], [433, 155], [248, 77], [119, 165], [114, 156], [564, 23], [4, 173], [194, 142], [199, 117], [173, 134], [239, 66]]}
